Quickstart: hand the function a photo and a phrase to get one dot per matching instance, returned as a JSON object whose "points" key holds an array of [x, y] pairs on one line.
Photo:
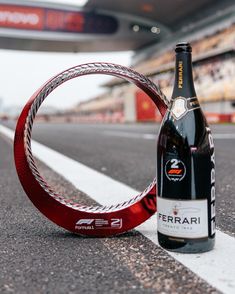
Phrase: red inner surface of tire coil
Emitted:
{"points": [[76, 218]]}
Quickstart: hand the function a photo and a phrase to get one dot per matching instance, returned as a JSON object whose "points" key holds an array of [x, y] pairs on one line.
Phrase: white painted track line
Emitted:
{"points": [[130, 135], [217, 267], [147, 136], [224, 136], [79, 175]]}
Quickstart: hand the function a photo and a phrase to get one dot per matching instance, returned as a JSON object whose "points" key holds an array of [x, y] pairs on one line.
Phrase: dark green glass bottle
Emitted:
{"points": [[185, 168]]}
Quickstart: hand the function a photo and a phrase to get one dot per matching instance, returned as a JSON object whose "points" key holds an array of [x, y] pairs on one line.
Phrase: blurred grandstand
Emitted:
{"points": [[214, 76], [208, 24]]}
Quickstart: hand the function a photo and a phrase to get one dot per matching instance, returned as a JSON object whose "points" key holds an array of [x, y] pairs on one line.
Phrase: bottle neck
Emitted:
{"points": [[183, 76]]}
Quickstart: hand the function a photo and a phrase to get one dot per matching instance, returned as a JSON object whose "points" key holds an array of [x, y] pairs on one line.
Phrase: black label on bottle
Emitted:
{"points": [[180, 74], [181, 105]]}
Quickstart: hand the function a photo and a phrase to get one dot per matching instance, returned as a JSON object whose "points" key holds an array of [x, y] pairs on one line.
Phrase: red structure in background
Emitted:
{"points": [[56, 20], [145, 108]]}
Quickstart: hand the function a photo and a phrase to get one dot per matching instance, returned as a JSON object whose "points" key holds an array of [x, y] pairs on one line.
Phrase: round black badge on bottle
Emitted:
{"points": [[175, 170]]}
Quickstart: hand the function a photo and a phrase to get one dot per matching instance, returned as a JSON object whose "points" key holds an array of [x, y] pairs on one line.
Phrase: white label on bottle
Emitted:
{"points": [[182, 218]]}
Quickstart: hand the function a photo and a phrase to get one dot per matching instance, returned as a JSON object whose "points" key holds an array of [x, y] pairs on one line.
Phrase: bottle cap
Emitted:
{"points": [[183, 47]]}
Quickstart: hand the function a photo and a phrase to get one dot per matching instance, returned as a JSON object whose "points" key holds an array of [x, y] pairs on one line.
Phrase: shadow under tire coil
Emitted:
{"points": [[118, 218]]}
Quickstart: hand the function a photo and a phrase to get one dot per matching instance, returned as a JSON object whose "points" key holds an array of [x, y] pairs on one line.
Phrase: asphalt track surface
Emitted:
{"points": [[39, 257]]}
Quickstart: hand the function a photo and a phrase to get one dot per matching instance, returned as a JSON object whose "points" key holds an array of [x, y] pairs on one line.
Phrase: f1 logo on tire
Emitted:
{"points": [[99, 223]]}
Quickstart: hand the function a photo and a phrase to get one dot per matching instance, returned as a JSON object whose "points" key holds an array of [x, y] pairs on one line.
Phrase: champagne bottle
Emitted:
{"points": [[185, 167]]}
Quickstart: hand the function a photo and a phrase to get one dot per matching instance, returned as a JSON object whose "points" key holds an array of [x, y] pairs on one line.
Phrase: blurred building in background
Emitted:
{"points": [[214, 76], [149, 28]]}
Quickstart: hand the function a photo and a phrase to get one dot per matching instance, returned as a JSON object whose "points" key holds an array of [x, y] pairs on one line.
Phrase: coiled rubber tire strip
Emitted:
{"points": [[76, 218]]}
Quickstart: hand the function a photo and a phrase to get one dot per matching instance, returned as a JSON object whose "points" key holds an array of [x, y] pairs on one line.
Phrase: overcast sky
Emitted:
{"points": [[23, 72]]}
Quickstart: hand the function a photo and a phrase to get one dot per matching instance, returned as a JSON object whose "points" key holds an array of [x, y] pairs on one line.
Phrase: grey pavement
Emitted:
{"points": [[116, 150], [37, 256]]}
